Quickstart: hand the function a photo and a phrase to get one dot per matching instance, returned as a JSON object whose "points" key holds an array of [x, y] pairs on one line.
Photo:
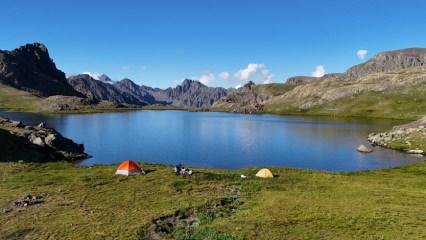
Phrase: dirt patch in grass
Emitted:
{"points": [[186, 223]]}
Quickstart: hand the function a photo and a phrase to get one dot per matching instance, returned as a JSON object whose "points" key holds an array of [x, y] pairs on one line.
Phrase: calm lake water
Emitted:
{"points": [[224, 140]]}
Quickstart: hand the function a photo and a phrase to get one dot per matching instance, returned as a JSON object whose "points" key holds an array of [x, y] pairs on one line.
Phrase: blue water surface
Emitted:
{"points": [[224, 140]]}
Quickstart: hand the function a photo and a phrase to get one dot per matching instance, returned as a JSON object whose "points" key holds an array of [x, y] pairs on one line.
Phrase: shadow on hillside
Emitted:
{"points": [[13, 148]]}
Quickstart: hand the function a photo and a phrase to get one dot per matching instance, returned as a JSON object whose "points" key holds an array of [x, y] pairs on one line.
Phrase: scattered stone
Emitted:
{"points": [[28, 200], [411, 134], [6, 210], [415, 151], [38, 141], [17, 124], [50, 139], [31, 128], [41, 125], [364, 149]]}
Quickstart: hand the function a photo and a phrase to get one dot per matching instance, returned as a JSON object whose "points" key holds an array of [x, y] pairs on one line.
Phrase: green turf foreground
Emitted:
{"points": [[93, 203]]}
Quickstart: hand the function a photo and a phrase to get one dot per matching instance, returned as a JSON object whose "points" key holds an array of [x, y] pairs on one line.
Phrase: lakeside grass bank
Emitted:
{"points": [[93, 203]]}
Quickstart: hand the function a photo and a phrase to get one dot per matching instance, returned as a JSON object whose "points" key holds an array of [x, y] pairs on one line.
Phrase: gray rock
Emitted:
{"points": [[364, 149], [50, 140], [415, 151], [38, 141], [29, 128], [6, 210], [16, 124], [41, 125]]}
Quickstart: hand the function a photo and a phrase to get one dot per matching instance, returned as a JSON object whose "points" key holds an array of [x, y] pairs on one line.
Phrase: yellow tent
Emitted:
{"points": [[264, 173]]}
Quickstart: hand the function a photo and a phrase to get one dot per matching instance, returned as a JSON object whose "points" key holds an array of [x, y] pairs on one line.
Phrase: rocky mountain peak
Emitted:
{"points": [[105, 78], [249, 85], [188, 83], [31, 69], [32, 47], [127, 82]]}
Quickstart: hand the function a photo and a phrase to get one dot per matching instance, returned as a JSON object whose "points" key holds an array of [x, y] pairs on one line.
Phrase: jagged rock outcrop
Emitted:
{"points": [[390, 61], [191, 94], [104, 78], [36, 143], [301, 80], [244, 99], [142, 93], [31, 69]]}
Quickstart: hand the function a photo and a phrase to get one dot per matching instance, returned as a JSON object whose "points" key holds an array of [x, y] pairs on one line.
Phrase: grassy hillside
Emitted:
{"points": [[272, 89], [404, 103], [16, 100], [92, 203]]}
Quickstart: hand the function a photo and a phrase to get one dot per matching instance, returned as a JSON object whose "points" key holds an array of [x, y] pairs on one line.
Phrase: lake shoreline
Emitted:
{"points": [[167, 108]]}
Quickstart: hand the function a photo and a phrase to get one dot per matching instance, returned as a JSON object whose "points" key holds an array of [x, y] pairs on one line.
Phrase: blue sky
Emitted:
{"points": [[223, 43]]}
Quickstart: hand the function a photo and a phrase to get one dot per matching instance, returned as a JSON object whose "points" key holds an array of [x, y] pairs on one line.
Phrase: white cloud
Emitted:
{"points": [[255, 72], [207, 78], [95, 76], [269, 79], [319, 71], [224, 75], [238, 86], [246, 73], [362, 53]]}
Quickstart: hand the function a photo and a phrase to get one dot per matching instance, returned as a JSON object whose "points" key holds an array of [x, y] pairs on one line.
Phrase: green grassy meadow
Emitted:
{"points": [[93, 203], [16, 100]]}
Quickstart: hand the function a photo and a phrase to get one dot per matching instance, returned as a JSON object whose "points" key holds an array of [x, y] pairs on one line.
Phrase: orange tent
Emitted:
{"points": [[128, 168]]}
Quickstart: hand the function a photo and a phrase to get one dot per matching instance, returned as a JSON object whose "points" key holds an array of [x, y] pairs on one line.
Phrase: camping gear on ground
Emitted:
{"points": [[178, 169], [129, 168], [264, 173], [181, 170]]}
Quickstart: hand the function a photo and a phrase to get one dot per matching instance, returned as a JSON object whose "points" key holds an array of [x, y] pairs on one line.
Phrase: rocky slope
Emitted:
{"points": [[190, 94], [36, 143], [301, 80], [389, 61], [410, 137], [244, 99], [251, 97], [31, 69], [95, 89], [142, 93]]}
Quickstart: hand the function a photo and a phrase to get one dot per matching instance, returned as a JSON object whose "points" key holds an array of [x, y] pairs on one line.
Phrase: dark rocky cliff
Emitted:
{"points": [[31, 69]]}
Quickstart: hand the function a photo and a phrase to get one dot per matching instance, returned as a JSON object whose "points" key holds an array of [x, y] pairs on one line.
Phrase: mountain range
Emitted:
{"points": [[30, 68], [391, 82]]}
